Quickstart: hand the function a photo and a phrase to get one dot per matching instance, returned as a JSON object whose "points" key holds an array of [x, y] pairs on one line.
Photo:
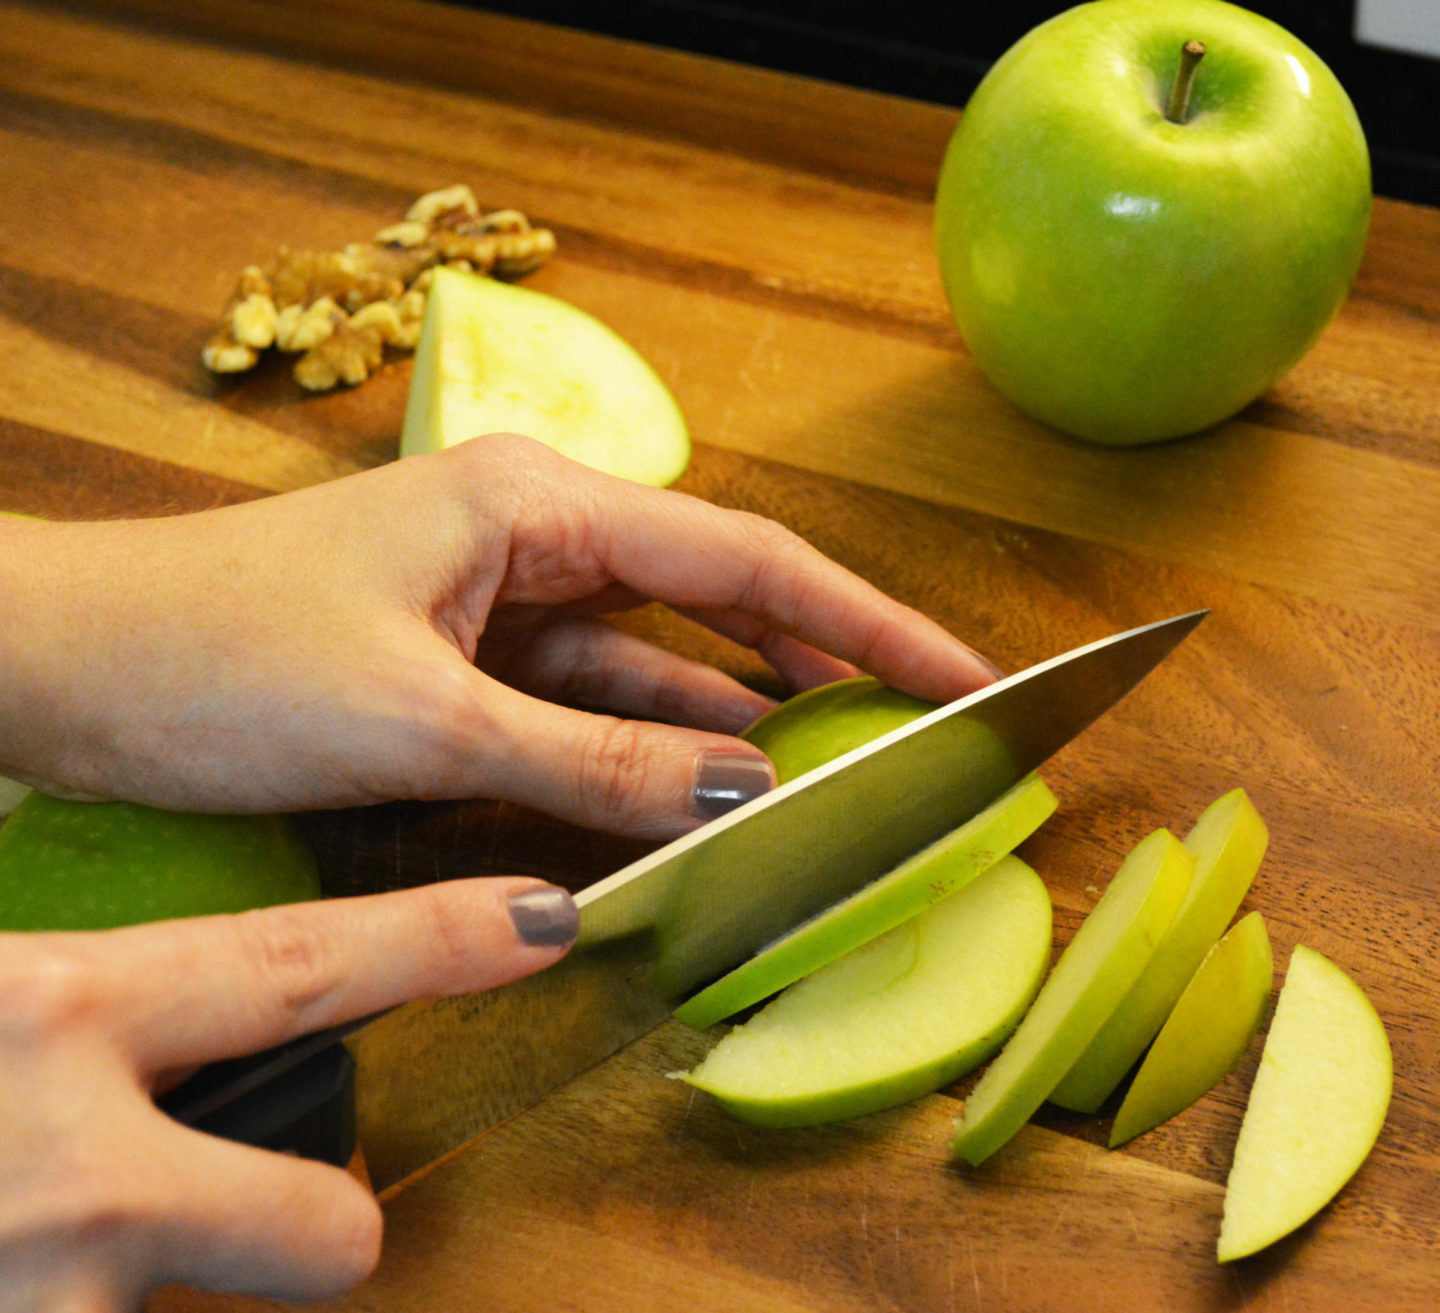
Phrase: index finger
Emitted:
{"points": [[188, 992], [693, 555]]}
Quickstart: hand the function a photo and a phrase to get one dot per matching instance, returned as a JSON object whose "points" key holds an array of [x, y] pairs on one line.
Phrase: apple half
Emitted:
{"points": [[1104, 959], [494, 358], [826, 722], [1227, 843], [896, 1019], [1316, 1108], [96, 865], [948, 864], [1207, 1033]]}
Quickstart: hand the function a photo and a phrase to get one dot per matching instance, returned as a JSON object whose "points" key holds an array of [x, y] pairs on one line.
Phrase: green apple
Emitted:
{"points": [[1093, 974], [823, 723], [1227, 843], [1315, 1109], [496, 358], [948, 864], [1127, 277], [897, 1018], [1212, 1025], [95, 865]]}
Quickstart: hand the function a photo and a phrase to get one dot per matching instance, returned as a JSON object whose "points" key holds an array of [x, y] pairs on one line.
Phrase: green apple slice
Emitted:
{"points": [[1316, 1108], [1227, 843], [1207, 1033], [823, 723], [898, 1018], [494, 358], [95, 865], [948, 864], [1100, 964]]}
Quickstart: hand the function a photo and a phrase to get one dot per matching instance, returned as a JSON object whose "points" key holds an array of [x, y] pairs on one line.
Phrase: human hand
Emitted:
{"points": [[414, 631], [102, 1197]]}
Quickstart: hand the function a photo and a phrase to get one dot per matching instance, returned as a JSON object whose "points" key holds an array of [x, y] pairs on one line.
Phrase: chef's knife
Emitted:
{"points": [[436, 1073]]}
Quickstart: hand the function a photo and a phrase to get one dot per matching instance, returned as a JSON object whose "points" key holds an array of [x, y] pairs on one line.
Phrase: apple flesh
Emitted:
{"points": [[1315, 1110], [823, 723], [1227, 843], [96, 865], [496, 358], [11, 794], [1093, 974], [949, 864], [1126, 278], [896, 1019], [1207, 1033]]}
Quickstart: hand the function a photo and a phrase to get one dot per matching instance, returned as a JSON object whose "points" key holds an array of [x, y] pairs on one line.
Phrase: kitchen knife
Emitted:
{"points": [[436, 1073]]}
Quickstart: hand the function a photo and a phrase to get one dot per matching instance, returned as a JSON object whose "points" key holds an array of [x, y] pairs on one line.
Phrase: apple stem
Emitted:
{"points": [[1190, 55]]}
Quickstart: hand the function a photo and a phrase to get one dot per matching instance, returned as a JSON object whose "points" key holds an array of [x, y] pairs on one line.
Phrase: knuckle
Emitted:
{"points": [[49, 989], [291, 963], [614, 771]]}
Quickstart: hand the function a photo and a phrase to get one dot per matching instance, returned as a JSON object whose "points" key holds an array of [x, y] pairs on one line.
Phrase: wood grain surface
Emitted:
{"points": [[766, 243]]}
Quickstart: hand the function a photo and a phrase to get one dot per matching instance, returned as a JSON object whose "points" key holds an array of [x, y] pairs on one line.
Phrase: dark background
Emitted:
{"points": [[940, 54]]}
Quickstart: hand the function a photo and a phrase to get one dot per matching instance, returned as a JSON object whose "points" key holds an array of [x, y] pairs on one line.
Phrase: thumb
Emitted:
{"points": [[626, 777]]}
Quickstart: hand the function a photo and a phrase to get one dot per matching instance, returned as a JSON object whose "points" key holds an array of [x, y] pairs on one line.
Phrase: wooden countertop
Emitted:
{"points": [[766, 243]]}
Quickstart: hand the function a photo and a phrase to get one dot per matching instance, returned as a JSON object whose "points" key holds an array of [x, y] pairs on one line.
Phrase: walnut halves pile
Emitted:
{"points": [[339, 310]]}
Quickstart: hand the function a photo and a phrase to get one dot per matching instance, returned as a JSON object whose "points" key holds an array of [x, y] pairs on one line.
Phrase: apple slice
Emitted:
{"points": [[823, 723], [946, 865], [1315, 1110], [1206, 1034], [95, 865], [898, 1018], [495, 358], [1100, 964], [1227, 843]]}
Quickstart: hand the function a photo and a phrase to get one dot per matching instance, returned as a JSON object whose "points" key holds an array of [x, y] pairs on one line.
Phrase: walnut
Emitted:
{"points": [[340, 310]]}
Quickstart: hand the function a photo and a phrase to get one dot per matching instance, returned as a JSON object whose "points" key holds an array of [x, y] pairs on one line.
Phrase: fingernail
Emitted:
{"points": [[726, 780], [545, 917]]}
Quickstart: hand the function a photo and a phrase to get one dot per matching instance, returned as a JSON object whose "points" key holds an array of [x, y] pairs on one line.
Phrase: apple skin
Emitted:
{"points": [[1127, 279], [1228, 843], [826, 722], [496, 358], [1209, 1030], [97, 865], [1098, 966], [935, 872], [898, 1018], [1315, 1110]]}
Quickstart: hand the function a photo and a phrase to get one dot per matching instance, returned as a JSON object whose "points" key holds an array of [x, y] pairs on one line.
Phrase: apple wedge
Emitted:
{"points": [[898, 1018], [1227, 843], [496, 358], [945, 866], [1206, 1034], [1094, 972], [96, 865], [823, 723], [1316, 1108]]}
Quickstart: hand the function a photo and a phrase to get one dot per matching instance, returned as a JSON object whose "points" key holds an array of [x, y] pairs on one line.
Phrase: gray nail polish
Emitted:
{"points": [[725, 781], [544, 918]]}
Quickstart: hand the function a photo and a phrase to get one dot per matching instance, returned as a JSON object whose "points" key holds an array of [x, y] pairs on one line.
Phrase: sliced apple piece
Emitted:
{"points": [[95, 865], [948, 864], [1316, 1108], [823, 723], [898, 1018], [1094, 972], [1227, 843], [1206, 1034], [496, 358]]}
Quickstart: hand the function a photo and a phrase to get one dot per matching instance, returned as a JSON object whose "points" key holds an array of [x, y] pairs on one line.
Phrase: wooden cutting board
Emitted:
{"points": [[765, 241]]}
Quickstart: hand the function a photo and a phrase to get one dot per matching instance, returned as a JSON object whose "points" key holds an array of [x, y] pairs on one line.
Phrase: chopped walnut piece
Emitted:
{"points": [[340, 310]]}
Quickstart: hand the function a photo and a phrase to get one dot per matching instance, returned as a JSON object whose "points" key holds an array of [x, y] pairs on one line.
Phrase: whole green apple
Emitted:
{"points": [[97, 865], [1128, 267]]}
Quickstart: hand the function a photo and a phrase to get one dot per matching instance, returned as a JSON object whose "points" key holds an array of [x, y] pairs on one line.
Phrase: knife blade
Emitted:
{"points": [[436, 1073]]}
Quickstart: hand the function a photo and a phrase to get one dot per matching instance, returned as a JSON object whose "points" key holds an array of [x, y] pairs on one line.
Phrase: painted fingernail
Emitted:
{"points": [[725, 781], [545, 917]]}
